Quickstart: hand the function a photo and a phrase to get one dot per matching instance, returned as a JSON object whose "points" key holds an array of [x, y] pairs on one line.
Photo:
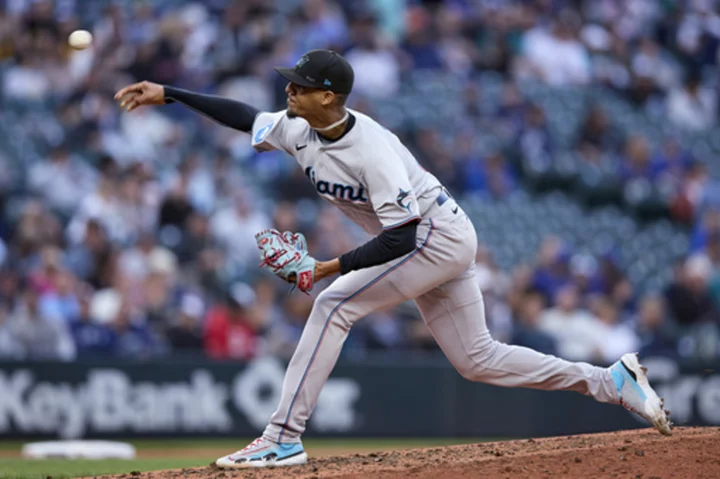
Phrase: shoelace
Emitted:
{"points": [[251, 445]]}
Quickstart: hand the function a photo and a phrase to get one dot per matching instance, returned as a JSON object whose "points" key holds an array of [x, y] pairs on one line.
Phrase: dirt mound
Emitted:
{"points": [[691, 453]]}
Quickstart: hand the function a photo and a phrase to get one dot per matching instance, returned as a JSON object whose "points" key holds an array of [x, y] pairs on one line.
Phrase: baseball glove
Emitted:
{"points": [[286, 255]]}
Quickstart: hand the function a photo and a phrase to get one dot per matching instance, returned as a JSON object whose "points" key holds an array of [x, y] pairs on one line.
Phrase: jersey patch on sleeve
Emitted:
{"points": [[403, 201], [262, 133]]}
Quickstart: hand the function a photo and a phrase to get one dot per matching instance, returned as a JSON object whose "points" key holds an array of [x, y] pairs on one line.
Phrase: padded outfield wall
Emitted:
{"points": [[176, 398]]}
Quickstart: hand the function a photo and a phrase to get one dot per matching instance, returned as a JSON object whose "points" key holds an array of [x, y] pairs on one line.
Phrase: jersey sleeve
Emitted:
{"points": [[391, 193], [270, 131]]}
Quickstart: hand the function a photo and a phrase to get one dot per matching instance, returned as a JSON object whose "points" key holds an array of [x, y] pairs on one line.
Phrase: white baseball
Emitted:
{"points": [[80, 39]]}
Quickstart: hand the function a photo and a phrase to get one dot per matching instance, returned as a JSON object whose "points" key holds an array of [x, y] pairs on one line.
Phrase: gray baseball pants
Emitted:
{"points": [[439, 277]]}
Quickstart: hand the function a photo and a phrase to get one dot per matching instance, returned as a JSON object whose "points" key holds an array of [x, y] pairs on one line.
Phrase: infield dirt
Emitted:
{"points": [[690, 453]]}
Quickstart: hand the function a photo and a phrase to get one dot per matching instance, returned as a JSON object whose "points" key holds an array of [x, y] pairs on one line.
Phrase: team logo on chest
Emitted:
{"points": [[338, 190]]}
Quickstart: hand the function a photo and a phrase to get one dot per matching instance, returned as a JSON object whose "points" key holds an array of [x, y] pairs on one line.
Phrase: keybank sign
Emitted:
{"points": [[691, 396], [111, 401], [364, 399]]}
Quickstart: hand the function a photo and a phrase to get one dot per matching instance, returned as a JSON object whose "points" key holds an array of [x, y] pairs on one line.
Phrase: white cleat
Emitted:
{"points": [[264, 453], [636, 394]]}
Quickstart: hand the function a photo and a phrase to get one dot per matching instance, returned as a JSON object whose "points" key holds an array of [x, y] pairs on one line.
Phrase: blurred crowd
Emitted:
{"points": [[132, 235]]}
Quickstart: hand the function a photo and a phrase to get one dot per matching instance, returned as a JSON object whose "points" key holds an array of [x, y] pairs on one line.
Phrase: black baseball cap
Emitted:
{"points": [[322, 69]]}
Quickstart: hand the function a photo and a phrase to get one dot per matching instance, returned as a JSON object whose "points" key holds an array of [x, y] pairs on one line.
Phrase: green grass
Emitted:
{"points": [[65, 469], [60, 469]]}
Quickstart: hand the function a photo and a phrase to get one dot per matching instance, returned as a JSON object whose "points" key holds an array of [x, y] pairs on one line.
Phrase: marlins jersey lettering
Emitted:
{"points": [[368, 173]]}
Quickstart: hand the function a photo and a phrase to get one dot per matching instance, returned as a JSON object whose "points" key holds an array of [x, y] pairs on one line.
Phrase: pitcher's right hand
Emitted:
{"points": [[139, 94]]}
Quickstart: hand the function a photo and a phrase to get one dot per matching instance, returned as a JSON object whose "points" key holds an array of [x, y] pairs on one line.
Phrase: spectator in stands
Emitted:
{"points": [[649, 61], [86, 259], [185, 332], [457, 53], [325, 27], [36, 335], [232, 331], [380, 332], [8, 348], [195, 172], [492, 176], [693, 106], [35, 228], [421, 52], [670, 164], [377, 71], [227, 175], [158, 289], [578, 334], [687, 296], [135, 339], [554, 55], [175, 207], [63, 180], [527, 330], [635, 163], [134, 259], [618, 337], [234, 229], [9, 288], [695, 189], [162, 186], [195, 239], [104, 206], [136, 207], [512, 109], [655, 329], [712, 254], [447, 168], [708, 225], [286, 318], [60, 300], [91, 337], [597, 132], [552, 271], [26, 79], [9, 284], [611, 275], [45, 268], [584, 274], [534, 140]]}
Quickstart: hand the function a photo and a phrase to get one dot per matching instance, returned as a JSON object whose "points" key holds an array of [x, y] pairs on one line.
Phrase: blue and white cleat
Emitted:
{"points": [[636, 395], [264, 453]]}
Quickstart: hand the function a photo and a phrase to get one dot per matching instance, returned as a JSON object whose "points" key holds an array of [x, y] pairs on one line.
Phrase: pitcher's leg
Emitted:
{"points": [[314, 358], [455, 314], [335, 310]]}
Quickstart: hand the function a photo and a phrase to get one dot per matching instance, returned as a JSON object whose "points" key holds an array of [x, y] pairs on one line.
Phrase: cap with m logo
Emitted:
{"points": [[323, 69]]}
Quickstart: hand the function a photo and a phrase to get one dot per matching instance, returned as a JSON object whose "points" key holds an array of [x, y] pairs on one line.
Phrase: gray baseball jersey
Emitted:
{"points": [[368, 173], [378, 184]]}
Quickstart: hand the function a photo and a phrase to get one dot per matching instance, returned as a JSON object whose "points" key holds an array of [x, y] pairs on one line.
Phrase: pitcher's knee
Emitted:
{"points": [[474, 366], [471, 372]]}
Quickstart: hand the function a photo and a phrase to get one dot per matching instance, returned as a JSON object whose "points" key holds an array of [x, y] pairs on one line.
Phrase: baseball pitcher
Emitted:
{"points": [[423, 250]]}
